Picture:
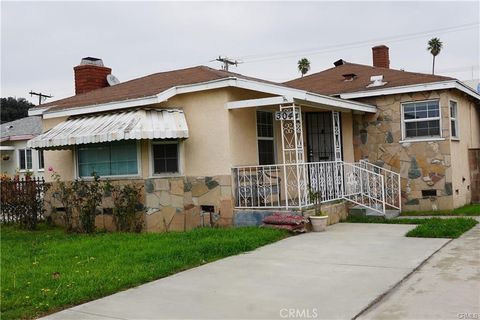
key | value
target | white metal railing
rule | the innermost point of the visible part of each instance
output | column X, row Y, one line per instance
column 290, row 185
column 364, row 187
column 392, row 186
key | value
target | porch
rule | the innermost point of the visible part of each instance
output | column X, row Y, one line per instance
column 297, row 170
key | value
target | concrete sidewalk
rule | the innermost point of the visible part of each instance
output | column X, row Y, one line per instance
column 447, row 286
column 330, row 275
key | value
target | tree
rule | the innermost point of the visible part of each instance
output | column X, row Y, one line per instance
column 13, row 109
column 303, row 66
column 434, row 46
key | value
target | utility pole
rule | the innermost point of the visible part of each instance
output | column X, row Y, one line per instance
column 40, row 95
column 226, row 62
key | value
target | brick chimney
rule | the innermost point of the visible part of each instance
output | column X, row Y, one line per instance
column 90, row 75
column 380, row 56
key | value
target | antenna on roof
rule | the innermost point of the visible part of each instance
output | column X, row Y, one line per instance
column 226, row 62
column 41, row 96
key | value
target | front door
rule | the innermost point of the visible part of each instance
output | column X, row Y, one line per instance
column 320, row 136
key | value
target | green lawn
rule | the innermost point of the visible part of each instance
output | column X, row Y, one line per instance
column 427, row 228
column 468, row 210
column 48, row 270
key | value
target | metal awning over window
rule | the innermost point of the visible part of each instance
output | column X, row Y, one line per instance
column 138, row 124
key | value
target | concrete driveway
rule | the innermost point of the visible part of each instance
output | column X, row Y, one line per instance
column 446, row 287
column 330, row 275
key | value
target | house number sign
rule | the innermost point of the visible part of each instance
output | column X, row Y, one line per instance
column 286, row 115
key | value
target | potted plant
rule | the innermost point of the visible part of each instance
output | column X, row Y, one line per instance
column 319, row 219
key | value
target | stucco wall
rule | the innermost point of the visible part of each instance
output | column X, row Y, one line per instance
column 423, row 165
column 347, row 136
column 469, row 138
column 61, row 161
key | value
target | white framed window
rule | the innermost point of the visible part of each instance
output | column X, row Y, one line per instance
column 41, row 162
column 265, row 138
column 25, row 159
column 421, row 120
column 119, row 158
column 165, row 157
column 453, row 119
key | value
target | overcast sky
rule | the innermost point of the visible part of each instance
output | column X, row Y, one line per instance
column 41, row 42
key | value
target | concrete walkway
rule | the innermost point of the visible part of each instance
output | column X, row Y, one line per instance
column 330, row 275
column 447, row 286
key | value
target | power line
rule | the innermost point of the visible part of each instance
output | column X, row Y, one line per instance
column 351, row 45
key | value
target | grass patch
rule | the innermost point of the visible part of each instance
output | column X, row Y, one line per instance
column 427, row 228
column 468, row 210
column 47, row 270
column 442, row 228
column 373, row 219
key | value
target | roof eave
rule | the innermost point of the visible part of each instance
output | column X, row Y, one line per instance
column 441, row 85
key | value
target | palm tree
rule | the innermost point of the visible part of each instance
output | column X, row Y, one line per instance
column 434, row 46
column 303, row 66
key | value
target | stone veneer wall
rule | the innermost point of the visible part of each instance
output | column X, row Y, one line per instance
column 422, row 165
column 175, row 203
column 172, row 204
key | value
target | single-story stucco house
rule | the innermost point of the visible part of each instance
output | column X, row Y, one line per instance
column 204, row 140
column 16, row 157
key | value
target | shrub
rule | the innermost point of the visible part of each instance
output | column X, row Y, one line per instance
column 80, row 199
column 87, row 198
column 126, row 207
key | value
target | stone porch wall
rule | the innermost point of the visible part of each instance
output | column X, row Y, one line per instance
column 422, row 165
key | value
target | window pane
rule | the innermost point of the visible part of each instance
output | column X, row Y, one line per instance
column 266, row 152
column 106, row 159
column 422, row 128
column 422, row 111
column 453, row 109
column 454, row 128
column 409, row 115
column 123, row 157
column 265, row 124
column 29, row 159
column 165, row 158
column 41, row 164
column 21, row 157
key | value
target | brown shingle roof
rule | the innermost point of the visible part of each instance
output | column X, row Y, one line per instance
column 332, row 82
column 145, row 86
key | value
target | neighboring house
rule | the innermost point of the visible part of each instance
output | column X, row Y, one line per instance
column 426, row 127
column 204, row 140
column 16, row 156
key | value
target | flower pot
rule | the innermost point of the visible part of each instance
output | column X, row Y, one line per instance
column 319, row 223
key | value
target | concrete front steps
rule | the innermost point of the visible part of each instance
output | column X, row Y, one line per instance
column 364, row 211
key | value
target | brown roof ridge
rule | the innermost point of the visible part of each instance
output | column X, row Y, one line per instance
column 221, row 73
column 398, row 70
column 346, row 64
column 148, row 86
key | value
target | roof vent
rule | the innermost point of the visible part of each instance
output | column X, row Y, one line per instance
column 377, row 81
column 339, row 62
column 349, row 76
column 91, row 61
